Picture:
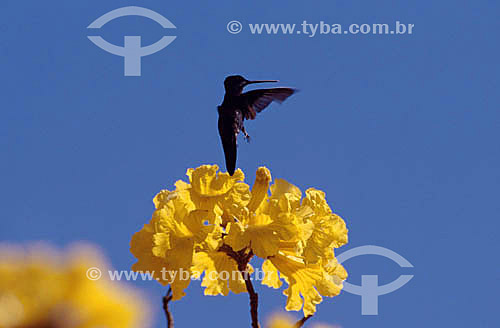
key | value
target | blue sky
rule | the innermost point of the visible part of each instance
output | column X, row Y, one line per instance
column 400, row 131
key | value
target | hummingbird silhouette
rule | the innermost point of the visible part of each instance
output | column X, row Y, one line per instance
column 237, row 107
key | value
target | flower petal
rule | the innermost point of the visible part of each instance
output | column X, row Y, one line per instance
column 260, row 187
column 206, row 182
column 221, row 273
column 271, row 275
column 305, row 283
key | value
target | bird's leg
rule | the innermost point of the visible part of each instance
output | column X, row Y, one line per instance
column 247, row 137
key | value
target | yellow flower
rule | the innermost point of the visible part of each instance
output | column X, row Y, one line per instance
column 214, row 224
column 186, row 221
column 42, row 288
column 306, row 282
column 328, row 230
column 285, row 321
column 218, row 192
column 221, row 273
column 281, row 321
column 165, row 246
column 267, row 222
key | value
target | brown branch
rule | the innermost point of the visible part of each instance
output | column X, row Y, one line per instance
column 242, row 259
column 166, row 299
column 254, row 297
column 302, row 321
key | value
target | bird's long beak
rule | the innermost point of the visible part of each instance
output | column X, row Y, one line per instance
column 261, row 81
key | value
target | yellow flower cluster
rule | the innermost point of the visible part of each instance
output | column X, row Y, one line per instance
column 43, row 288
column 198, row 227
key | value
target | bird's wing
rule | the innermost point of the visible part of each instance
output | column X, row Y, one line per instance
column 228, row 138
column 258, row 100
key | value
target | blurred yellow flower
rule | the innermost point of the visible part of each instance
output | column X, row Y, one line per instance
column 285, row 321
column 40, row 287
column 281, row 321
column 215, row 224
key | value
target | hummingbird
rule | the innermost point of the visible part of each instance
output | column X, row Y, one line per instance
column 237, row 107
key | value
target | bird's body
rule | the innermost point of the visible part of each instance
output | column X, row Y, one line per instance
column 238, row 106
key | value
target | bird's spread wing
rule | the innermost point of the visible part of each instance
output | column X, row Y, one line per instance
column 257, row 100
column 228, row 138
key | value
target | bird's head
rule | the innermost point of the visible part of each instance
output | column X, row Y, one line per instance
column 234, row 84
